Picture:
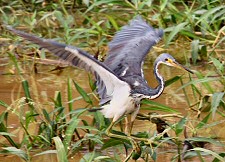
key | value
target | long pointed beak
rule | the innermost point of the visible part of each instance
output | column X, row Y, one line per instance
column 177, row 65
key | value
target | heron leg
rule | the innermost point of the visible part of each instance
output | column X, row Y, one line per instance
column 132, row 119
column 135, row 146
column 131, row 123
column 108, row 133
column 128, row 126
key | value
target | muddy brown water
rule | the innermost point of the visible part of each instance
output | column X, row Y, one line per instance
column 44, row 85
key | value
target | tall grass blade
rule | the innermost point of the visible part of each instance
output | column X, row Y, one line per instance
column 218, row 43
column 46, row 152
column 219, row 66
column 205, row 84
column 203, row 80
column 163, row 5
column 4, row 131
column 203, row 122
column 99, row 119
column 157, row 106
column 204, row 139
column 46, row 115
column 91, row 83
column 210, row 152
column 69, row 96
column 103, row 158
column 204, row 53
column 70, row 131
column 216, row 99
column 172, row 80
column 111, row 143
column 58, row 99
column 185, row 93
column 209, row 13
column 59, row 16
column 18, row 68
column 61, row 152
column 6, row 134
column 2, row 103
column 180, row 126
column 87, row 127
column 25, row 85
column 113, row 22
column 220, row 154
column 83, row 93
column 78, row 112
column 46, row 141
column 211, row 125
column 26, row 88
column 15, row 151
column 99, row 3
column 96, row 25
column 173, row 33
column 89, row 157
column 190, row 34
column 194, row 50
column 218, row 15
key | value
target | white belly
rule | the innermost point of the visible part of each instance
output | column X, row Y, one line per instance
column 122, row 103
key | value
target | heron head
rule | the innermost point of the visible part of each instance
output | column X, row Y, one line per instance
column 167, row 59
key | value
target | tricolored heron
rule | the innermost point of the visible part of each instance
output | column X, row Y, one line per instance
column 120, row 79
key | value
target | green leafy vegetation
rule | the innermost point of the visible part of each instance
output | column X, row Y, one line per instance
column 193, row 29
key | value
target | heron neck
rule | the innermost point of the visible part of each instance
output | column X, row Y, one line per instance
column 159, row 89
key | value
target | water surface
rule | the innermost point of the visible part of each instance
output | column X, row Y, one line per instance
column 45, row 84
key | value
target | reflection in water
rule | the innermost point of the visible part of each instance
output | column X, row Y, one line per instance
column 44, row 85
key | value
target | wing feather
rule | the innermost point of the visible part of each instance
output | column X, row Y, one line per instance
column 105, row 77
column 130, row 46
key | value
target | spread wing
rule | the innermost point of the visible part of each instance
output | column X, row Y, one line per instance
column 76, row 57
column 128, row 49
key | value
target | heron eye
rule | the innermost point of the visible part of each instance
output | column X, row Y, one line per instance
column 166, row 59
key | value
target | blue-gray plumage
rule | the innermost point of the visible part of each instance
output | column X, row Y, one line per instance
column 127, row 52
column 120, row 79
